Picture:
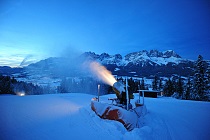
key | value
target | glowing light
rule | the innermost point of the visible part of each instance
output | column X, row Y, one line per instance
column 21, row 93
column 102, row 73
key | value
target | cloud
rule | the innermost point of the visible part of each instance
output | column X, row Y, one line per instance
column 25, row 60
column 11, row 61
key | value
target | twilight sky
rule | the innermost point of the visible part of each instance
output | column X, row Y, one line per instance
column 31, row 30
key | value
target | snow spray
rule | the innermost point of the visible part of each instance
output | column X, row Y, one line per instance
column 102, row 73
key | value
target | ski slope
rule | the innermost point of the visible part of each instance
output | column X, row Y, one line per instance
column 69, row 116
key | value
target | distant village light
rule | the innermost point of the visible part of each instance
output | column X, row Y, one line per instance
column 21, row 93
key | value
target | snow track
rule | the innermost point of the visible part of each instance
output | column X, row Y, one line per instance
column 183, row 119
column 69, row 116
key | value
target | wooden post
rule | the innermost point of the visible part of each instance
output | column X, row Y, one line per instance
column 142, row 96
column 127, row 96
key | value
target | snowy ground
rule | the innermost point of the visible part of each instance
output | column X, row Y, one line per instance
column 69, row 116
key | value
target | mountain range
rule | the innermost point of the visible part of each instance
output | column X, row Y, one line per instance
column 145, row 63
column 141, row 57
column 137, row 64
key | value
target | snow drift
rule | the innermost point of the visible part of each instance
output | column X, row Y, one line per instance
column 69, row 116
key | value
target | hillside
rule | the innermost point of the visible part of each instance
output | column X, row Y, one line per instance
column 69, row 116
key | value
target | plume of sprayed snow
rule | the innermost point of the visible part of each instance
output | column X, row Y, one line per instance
column 100, row 72
column 24, row 62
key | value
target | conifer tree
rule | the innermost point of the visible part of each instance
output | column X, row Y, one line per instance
column 160, row 86
column 188, row 90
column 142, row 86
column 180, row 87
column 131, row 84
column 199, row 81
column 207, row 78
column 63, row 87
column 168, row 88
column 155, row 83
column 207, row 84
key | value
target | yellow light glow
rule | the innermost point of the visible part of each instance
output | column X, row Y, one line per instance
column 21, row 93
column 102, row 73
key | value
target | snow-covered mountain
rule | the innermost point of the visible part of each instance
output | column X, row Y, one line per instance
column 153, row 57
column 137, row 64
column 141, row 58
column 104, row 58
column 144, row 63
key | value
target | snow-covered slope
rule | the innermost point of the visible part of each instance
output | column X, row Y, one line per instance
column 69, row 116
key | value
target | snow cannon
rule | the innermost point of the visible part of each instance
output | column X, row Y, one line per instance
column 118, row 88
column 119, row 109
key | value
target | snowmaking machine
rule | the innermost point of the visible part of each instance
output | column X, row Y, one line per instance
column 121, row 108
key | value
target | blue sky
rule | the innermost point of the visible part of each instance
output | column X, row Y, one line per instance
column 37, row 29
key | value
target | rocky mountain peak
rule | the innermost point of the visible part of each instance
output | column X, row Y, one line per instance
column 90, row 55
column 143, row 57
column 170, row 53
column 155, row 53
column 104, row 56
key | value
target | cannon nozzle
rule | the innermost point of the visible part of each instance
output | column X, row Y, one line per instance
column 118, row 88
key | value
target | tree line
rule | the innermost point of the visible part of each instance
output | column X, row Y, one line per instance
column 10, row 85
column 195, row 87
column 90, row 85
